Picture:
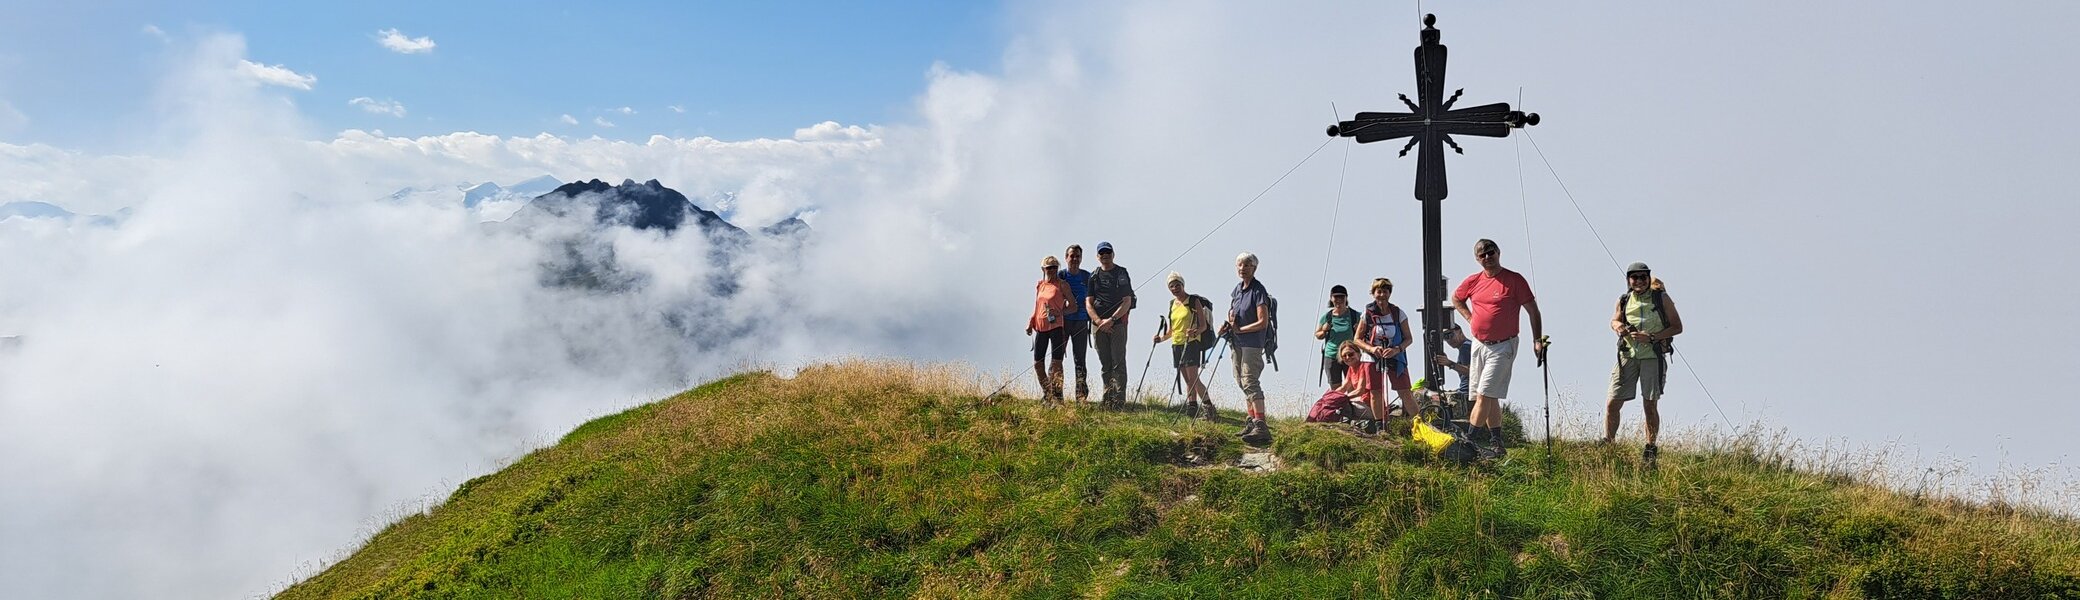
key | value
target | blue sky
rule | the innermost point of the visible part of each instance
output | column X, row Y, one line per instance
column 82, row 72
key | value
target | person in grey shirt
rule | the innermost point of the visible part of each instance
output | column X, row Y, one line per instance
column 1111, row 298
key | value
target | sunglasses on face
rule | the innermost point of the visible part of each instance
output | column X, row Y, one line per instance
column 1483, row 253
column 1636, row 276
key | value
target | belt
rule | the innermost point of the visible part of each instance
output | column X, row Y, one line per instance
column 1488, row 343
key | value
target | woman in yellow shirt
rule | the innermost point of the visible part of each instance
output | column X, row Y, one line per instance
column 1190, row 330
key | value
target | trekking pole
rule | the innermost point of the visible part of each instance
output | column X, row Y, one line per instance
column 1161, row 324
column 1220, row 353
column 1545, row 367
column 1319, row 373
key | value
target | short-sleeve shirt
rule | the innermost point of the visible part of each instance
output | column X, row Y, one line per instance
column 1242, row 310
column 1108, row 289
column 1342, row 327
column 1050, row 306
column 1079, row 283
column 1495, row 303
column 1367, row 378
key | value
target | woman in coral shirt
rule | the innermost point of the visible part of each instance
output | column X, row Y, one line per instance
column 1050, row 317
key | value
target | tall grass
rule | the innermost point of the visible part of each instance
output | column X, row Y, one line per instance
column 875, row 479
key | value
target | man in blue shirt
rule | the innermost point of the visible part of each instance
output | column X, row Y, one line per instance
column 1080, row 321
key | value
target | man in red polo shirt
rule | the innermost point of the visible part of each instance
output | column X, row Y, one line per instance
column 1489, row 301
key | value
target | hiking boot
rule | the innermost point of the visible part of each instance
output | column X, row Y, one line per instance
column 1040, row 373
column 1260, row 436
column 1211, row 414
column 1191, row 409
column 1054, row 381
column 1248, row 427
column 1371, row 427
column 1650, row 455
column 1083, row 388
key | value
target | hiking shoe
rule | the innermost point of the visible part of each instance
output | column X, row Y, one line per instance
column 1248, row 427
column 1370, row 427
column 1650, row 455
column 1191, row 409
column 1211, row 414
column 1259, row 436
column 1489, row 451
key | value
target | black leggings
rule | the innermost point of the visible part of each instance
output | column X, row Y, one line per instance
column 1056, row 339
column 1335, row 369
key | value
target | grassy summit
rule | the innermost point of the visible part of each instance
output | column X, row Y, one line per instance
column 879, row 479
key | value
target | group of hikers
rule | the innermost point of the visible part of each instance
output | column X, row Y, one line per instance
column 1365, row 352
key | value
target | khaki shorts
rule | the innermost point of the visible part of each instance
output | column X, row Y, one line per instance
column 1492, row 364
column 1636, row 376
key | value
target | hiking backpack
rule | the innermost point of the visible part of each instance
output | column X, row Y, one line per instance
column 1271, row 333
column 1206, row 335
column 1663, row 347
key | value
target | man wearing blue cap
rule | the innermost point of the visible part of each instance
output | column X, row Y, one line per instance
column 1111, row 297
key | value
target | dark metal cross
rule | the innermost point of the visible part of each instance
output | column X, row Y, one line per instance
column 1430, row 123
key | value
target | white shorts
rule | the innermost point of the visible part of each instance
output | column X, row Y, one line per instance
column 1491, row 367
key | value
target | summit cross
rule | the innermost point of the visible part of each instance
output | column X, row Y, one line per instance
column 1430, row 123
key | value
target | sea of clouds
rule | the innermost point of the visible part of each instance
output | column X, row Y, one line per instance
column 268, row 360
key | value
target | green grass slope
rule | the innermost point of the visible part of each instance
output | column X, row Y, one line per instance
column 890, row 480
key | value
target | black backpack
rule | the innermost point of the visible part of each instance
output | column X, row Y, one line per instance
column 1271, row 333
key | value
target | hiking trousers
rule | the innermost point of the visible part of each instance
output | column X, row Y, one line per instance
column 1112, row 361
column 1079, row 340
column 1249, row 372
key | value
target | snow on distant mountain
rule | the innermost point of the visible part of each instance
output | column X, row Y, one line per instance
column 45, row 210
column 523, row 191
column 489, row 200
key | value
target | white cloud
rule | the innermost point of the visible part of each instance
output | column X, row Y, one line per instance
column 380, row 107
column 568, row 120
column 397, row 42
column 833, row 131
column 275, row 75
column 625, row 110
column 677, row 109
column 10, row 117
column 154, row 32
column 602, row 122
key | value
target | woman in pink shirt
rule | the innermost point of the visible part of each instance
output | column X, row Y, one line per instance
column 1050, row 319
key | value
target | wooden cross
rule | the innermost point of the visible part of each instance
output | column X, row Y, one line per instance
column 1430, row 123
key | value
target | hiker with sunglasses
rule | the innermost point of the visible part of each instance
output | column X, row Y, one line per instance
column 1050, row 321
column 1490, row 301
column 1646, row 323
column 1111, row 297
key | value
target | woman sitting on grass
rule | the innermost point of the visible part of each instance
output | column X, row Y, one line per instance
column 1336, row 405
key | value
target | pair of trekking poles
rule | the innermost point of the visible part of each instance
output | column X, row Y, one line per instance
column 1220, row 345
column 1143, row 383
